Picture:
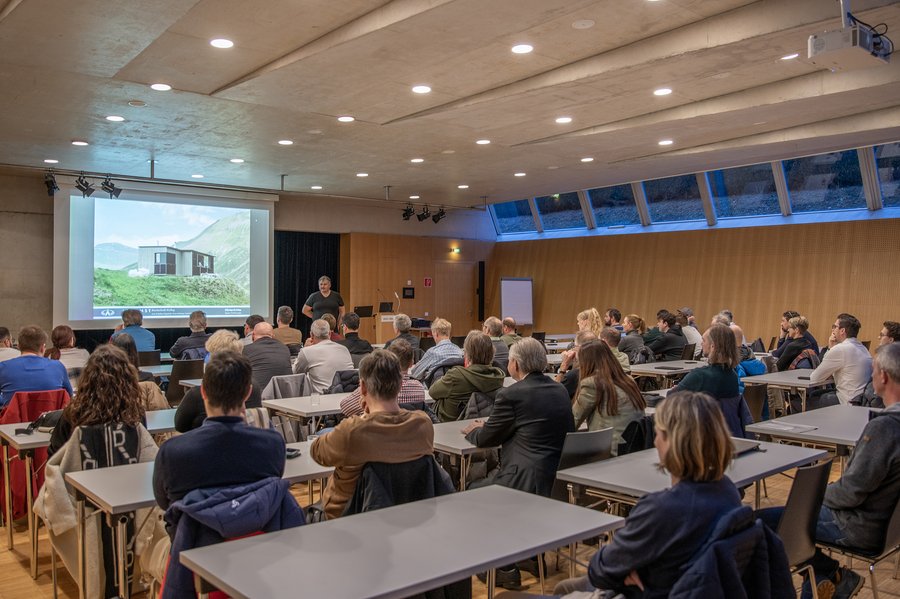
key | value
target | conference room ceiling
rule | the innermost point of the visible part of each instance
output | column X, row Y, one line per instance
column 296, row 66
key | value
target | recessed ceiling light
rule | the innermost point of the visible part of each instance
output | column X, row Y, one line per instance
column 315, row 132
column 666, row 142
column 115, row 118
column 552, row 168
column 137, row 103
column 790, row 56
column 462, row 187
column 161, row 87
column 316, row 187
column 237, row 160
column 421, row 89
column 522, row 48
column 362, row 174
column 519, row 175
column 563, row 120
column 663, row 91
column 285, row 142
column 583, row 24
column 417, row 160
column 221, row 43
column 346, row 119
column 51, row 161
column 587, row 159
column 483, row 142
column 197, row 176
column 78, row 142
column 414, row 197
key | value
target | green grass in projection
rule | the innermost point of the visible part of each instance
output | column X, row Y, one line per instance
column 116, row 288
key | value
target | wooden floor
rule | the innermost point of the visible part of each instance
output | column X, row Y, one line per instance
column 16, row 582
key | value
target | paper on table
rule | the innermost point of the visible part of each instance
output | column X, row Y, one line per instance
column 787, row 428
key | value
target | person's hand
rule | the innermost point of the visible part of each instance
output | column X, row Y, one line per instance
column 832, row 341
column 634, row 580
column 120, row 326
column 568, row 358
column 472, row 426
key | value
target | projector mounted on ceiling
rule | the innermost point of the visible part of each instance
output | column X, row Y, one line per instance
column 853, row 47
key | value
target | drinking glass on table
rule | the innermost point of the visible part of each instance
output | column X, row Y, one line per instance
column 315, row 399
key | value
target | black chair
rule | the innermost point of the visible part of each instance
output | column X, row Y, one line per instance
column 294, row 348
column 890, row 547
column 637, row 436
column 756, row 397
column 427, row 343
column 357, row 358
column 688, row 352
column 541, row 336
column 344, row 381
column 866, row 344
column 773, row 343
column 579, row 448
column 458, row 341
column 148, row 358
column 182, row 369
column 797, row 528
column 757, row 346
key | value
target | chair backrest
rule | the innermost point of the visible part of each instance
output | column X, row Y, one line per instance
column 579, row 448
column 344, row 381
column 758, row 346
column 257, row 418
column 892, row 538
column 458, row 341
column 286, row 385
column 644, row 355
column 480, row 405
column 182, row 369
column 540, row 336
column 427, row 343
column 797, row 527
column 148, row 358
column 756, row 397
column 637, row 436
column 384, row 485
column 772, row 343
column 417, row 354
column 357, row 358
column 866, row 344
column 688, row 352
column 441, row 369
column 294, row 348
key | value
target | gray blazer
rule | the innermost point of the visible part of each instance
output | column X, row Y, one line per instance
column 268, row 358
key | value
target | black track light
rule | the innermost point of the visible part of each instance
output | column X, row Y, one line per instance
column 439, row 216
column 110, row 188
column 424, row 214
column 408, row 212
column 50, row 182
column 82, row 185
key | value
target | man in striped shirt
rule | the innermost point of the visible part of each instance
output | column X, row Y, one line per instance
column 411, row 390
column 442, row 351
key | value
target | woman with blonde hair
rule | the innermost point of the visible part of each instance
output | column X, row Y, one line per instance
column 665, row 529
column 590, row 320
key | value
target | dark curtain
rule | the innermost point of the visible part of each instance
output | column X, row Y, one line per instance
column 300, row 259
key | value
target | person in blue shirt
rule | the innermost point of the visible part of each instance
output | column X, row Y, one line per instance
column 31, row 371
column 133, row 321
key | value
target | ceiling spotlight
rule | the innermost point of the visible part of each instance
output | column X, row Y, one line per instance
column 439, row 216
column 362, row 174
column 790, row 56
column 421, row 89
column 424, row 214
column 285, row 142
column 82, row 185
column 587, row 159
column 110, row 188
column 50, row 182
column 115, row 118
column 666, row 142
column 161, row 87
column 51, row 161
column 564, row 120
column 519, row 175
column 315, row 187
column 522, row 48
column 79, row 142
column 197, row 176
column 414, row 197
column 463, row 186
column 483, row 142
column 417, row 160
column 408, row 212
column 237, row 160
column 221, row 43
column 663, row 91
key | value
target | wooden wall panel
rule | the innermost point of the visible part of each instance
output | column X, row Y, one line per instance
column 818, row 269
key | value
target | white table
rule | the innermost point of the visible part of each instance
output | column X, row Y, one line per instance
column 302, row 407
column 627, row 478
column 554, row 360
column 158, row 370
column 448, row 438
column 666, row 370
column 161, row 421
column 188, row 383
column 560, row 337
column 166, row 358
column 796, row 381
column 398, row 551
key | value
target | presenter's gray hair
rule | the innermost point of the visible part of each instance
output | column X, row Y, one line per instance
column 319, row 329
column 529, row 354
column 402, row 323
column 324, row 278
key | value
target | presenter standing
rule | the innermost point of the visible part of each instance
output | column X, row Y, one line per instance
column 324, row 301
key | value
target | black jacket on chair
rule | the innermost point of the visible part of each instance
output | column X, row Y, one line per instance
column 529, row 421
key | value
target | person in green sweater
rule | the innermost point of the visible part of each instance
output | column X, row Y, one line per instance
column 606, row 397
column 452, row 391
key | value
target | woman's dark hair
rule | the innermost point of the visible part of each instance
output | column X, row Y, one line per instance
column 596, row 360
column 108, row 390
column 62, row 337
column 126, row 343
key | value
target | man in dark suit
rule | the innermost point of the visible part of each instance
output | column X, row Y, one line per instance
column 268, row 356
column 352, row 341
column 529, row 421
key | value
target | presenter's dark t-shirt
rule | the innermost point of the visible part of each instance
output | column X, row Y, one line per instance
column 325, row 305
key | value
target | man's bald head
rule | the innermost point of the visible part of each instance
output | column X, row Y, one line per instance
column 263, row 329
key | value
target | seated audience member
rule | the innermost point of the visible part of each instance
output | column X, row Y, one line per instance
column 7, row 351
column 108, row 392
column 64, row 350
column 689, row 314
column 402, row 325
column 332, row 325
column 352, row 341
column 284, row 332
column 721, row 319
column 224, row 451
column 127, row 345
column 606, row 397
column 613, row 318
column 858, row 506
column 847, row 361
column 133, row 324
column 493, row 328
column 694, row 447
column 384, row 433
column 889, row 333
column 249, row 325
column 729, row 316
column 452, row 391
column 509, row 335
column 568, row 373
column 691, row 335
column 748, row 363
column 632, row 341
column 670, row 344
column 411, row 390
column 31, row 371
column 784, row 337
column 321, row 357
column 191, row 411
column 795, row 342
column 611, row 337
column 442, row 351
column 719, row 379
column 197, row 338
column 590, row 320
column 654, row 333
column 268, row 357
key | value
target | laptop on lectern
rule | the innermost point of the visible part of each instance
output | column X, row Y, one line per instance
column 363, row 311
column 386, row 307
